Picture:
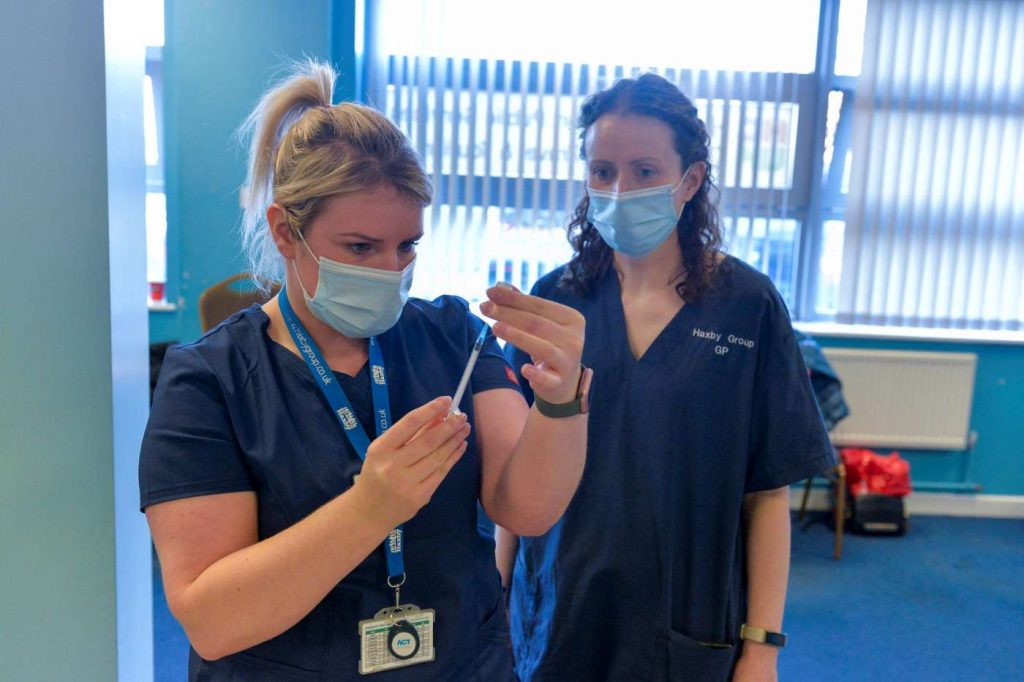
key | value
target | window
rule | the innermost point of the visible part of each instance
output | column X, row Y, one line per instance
column 787, row 93
column 935, row 222
column 152, row 111
column 493, row 116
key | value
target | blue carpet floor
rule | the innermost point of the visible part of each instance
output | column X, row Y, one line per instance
column 943, row 603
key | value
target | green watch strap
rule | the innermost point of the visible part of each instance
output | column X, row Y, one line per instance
column 559, row 410
column 579, row 405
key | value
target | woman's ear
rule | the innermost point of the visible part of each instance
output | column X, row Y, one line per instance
column 281, row 231
column 694, row 179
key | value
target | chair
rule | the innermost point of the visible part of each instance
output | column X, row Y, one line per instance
column 837, row 476
column 829, row 395
column 225, row 298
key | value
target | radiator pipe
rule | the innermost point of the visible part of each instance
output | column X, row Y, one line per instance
column 941, row 487
column 927, row 487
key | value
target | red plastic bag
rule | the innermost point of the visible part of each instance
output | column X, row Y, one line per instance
column 868, row 472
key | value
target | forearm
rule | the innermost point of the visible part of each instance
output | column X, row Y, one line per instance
column 541, row 475
column 768, row 541
column 260, row 591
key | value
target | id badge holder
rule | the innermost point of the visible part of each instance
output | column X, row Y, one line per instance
column 396, row 637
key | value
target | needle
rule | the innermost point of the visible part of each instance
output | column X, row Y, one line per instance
column 457, row 398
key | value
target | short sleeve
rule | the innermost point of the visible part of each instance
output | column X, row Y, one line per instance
column 789, row 442
column 189, row 448
column 517, row 358
column 492, row 369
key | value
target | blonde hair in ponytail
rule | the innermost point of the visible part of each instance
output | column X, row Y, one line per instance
column 304, row 150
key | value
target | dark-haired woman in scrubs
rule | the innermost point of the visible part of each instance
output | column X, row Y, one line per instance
column 671, row 561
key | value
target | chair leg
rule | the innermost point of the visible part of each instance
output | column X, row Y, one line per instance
column 803, row 503
column 840, row 509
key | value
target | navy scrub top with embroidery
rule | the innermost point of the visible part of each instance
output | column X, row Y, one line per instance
column 648, row 560
column 236, row 411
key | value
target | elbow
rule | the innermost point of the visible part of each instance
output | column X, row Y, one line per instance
column 208, row 646
column 529, row 527
column 205, row 651
column 204, row 640
column 533, row 530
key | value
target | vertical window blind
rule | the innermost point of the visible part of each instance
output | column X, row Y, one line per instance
column 935, row 213
column 497, row 133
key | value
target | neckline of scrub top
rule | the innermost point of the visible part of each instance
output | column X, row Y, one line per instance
column 618, row 313
column 296, row 364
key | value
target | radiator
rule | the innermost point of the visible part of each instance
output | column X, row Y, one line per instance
column 903, row 399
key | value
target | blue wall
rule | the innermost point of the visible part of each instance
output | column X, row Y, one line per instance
column 997, row 462
column 219, row 57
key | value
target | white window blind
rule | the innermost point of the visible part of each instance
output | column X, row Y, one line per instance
column 935, row 214
column 495, row 121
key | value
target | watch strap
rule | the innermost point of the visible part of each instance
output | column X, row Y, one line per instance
column 576, row 406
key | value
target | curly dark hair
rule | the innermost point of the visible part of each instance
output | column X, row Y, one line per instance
column 698, row 232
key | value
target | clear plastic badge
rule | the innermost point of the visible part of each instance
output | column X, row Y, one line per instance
column 396, row 637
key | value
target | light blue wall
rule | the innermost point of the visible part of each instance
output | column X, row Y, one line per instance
column 62, row 385
column 997, row 415
column 219, row 57
column 126, row 187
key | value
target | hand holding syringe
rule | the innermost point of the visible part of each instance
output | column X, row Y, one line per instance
column 479, row 344
column 549, row 332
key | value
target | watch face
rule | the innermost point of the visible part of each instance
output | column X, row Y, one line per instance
column 586, row 378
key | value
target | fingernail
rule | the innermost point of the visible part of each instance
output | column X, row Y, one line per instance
column 499, row 294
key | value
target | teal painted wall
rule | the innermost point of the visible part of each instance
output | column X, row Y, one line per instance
column 57, row 551
column 997, row 462
column 219, row 57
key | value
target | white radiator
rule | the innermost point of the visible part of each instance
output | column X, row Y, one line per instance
column 904, row 399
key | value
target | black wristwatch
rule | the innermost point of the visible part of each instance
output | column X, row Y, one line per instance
column 578, row 405
column 763, row 636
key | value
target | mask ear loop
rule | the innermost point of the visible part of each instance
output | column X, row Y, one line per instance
column 295, row 266
column 306, row 244
column 683, row 179
column 680, row 184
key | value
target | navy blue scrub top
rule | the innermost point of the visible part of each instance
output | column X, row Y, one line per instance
column 646, row 568
column 236, row 411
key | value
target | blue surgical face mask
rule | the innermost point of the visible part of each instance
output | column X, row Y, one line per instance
column 356, row 301
column 638, row 222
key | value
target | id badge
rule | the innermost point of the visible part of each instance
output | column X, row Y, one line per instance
column 396, row 637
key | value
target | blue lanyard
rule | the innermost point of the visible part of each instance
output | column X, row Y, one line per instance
column 342, row 409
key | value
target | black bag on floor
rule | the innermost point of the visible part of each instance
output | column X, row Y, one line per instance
column 873, row 514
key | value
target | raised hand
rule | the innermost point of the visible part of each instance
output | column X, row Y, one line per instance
column 551, row 333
